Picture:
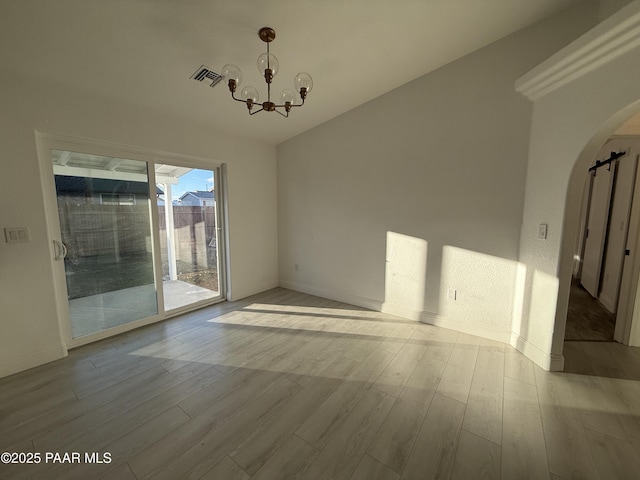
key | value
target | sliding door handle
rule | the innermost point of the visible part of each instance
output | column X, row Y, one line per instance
column 60, row 250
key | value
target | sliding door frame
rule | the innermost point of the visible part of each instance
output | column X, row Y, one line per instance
column 45, row 143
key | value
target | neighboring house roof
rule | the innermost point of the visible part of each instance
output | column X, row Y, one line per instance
column 201, row 194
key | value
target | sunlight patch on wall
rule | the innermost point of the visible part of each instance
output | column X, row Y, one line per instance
column 544, row 298
column 483, row 285
column 405, row 275
column 519, row 298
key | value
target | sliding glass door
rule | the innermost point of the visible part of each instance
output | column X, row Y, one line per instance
column 137, row 240
column 105, row 228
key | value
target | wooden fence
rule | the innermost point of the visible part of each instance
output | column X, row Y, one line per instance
column 90, row 229
column 195, row 237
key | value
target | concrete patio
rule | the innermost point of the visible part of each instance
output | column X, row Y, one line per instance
column 95, row 313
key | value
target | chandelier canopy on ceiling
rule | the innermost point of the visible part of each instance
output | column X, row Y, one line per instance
column 269, row 65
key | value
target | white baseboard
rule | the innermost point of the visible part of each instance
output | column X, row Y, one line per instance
column 402, row 312
column 478, row 331
column 332, row 295
column 548, row 361
column 237, row 294
column 556, row 363
column 34, row 359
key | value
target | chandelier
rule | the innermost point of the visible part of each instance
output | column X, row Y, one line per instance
column 267, row 64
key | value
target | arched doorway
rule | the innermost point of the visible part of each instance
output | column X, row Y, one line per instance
column 581, row 96
column 624, row 139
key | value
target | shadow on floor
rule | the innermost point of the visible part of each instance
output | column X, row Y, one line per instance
column 602, row 359
column 587, row 319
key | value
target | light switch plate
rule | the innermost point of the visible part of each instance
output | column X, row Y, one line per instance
column 16, row 234
column 542, row 231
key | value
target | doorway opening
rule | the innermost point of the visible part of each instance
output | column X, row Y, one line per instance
column 603, row 281
column 189, row 234
column 602, row 242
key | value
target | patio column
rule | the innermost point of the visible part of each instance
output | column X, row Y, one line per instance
column 170, row 230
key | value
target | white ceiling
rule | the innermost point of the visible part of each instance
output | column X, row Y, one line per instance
column 144, row 51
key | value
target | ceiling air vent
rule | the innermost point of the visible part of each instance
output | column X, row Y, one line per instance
column 205, row 73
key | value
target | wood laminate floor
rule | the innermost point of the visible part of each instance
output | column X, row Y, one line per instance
column 284, row 385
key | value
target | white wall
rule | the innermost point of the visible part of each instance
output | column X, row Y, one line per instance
column 606, row 8
column 421, row 190
column 29, row 333
column 570, row 124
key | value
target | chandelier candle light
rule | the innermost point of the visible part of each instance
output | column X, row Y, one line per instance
column 267, row 63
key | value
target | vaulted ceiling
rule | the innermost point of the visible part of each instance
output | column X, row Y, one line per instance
column 144, row 51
